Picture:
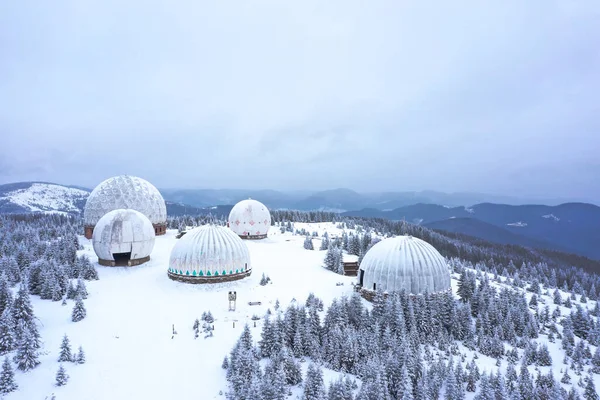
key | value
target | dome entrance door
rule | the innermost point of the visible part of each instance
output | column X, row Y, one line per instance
column 122, row 259
column 362, row 276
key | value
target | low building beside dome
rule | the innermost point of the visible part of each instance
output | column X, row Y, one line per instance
column 125, row 192
column 403, row 263
column 123, row 238
column 250, row 219
column 209, row 254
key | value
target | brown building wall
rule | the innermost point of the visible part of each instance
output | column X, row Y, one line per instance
column 111, row 263
column 159, row 229
column 252, row 237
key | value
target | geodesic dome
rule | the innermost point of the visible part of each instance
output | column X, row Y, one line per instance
column 207, row 254
column 250, row 219
column 123, row 238
column 125, row 192
column 404, row 263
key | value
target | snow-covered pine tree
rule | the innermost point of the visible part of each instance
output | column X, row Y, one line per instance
column 27, row 355
column 292, row 369
column 314, row 388
column 339, row 262
column 225, row 363
column 61, row 376
column 273, row 384
column 7, row 338
column 6, row 297
column 65, row 350
column 330, row 259
column 324, row 242
column 308, row 244
column 542, row 357
column 81, row 290
column 7, row 378
column 590, row 389
column 80, row 357
column 79, row 311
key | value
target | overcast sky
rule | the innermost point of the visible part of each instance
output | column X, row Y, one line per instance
column 491, row 96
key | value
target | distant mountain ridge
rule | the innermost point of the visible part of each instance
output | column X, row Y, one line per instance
column 573, row 227
column 569, row 227
column 45, row 197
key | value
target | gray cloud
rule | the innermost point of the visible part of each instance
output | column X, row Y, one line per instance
column 467, row 96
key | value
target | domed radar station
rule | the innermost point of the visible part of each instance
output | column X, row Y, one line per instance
column 250, row 219
column 209, row 254
column 123, row 238
column 125, row 192
column 403, row 263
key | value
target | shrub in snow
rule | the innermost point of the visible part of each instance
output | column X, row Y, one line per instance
column 61, row 376
column 264, row 279
column 7, row 378
column 65, row 350
column 208, row 317
column 79, row 311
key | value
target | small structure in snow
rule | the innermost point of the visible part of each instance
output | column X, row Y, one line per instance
column 209, row 254
column 123, row 238
column 250, row 219
column 403, row 263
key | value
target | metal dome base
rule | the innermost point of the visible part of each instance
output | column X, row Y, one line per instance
column 130, row 263
column 208, row 279
column 369, row 295
column 253, row 237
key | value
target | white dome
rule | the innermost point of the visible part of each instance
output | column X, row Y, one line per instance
column 127, row 233
column 210, row 251
column 404, row 262
column 250, row 219
column 125, row 192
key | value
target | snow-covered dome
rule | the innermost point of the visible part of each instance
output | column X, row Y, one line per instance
column 123, row 237
column 125, row 192
column 404, row 262
column 250, row 219
column 209, row 253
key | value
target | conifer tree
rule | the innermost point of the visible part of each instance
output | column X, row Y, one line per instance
column 61, row 376
column 225, row 363
column 79, row 311
column 27, row 355
column 590, row 389
column 81, row 290
column 308, row 244
column 7, row 378
column 329, row 262
column 65, row 350
column 7, row 338
column 6, row 297
column 80, row 357
column 314, row 388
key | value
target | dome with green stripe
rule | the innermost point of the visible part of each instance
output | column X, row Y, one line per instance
column 209, row 251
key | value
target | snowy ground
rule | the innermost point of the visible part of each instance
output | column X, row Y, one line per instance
column 127, row 333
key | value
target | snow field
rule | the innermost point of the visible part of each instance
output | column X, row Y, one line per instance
column 127, row 334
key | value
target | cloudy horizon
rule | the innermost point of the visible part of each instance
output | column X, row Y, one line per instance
column 393, row 96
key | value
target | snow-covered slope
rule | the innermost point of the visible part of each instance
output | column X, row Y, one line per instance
column 41, row 197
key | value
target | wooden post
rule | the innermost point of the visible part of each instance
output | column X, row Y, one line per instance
column 234, row 324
